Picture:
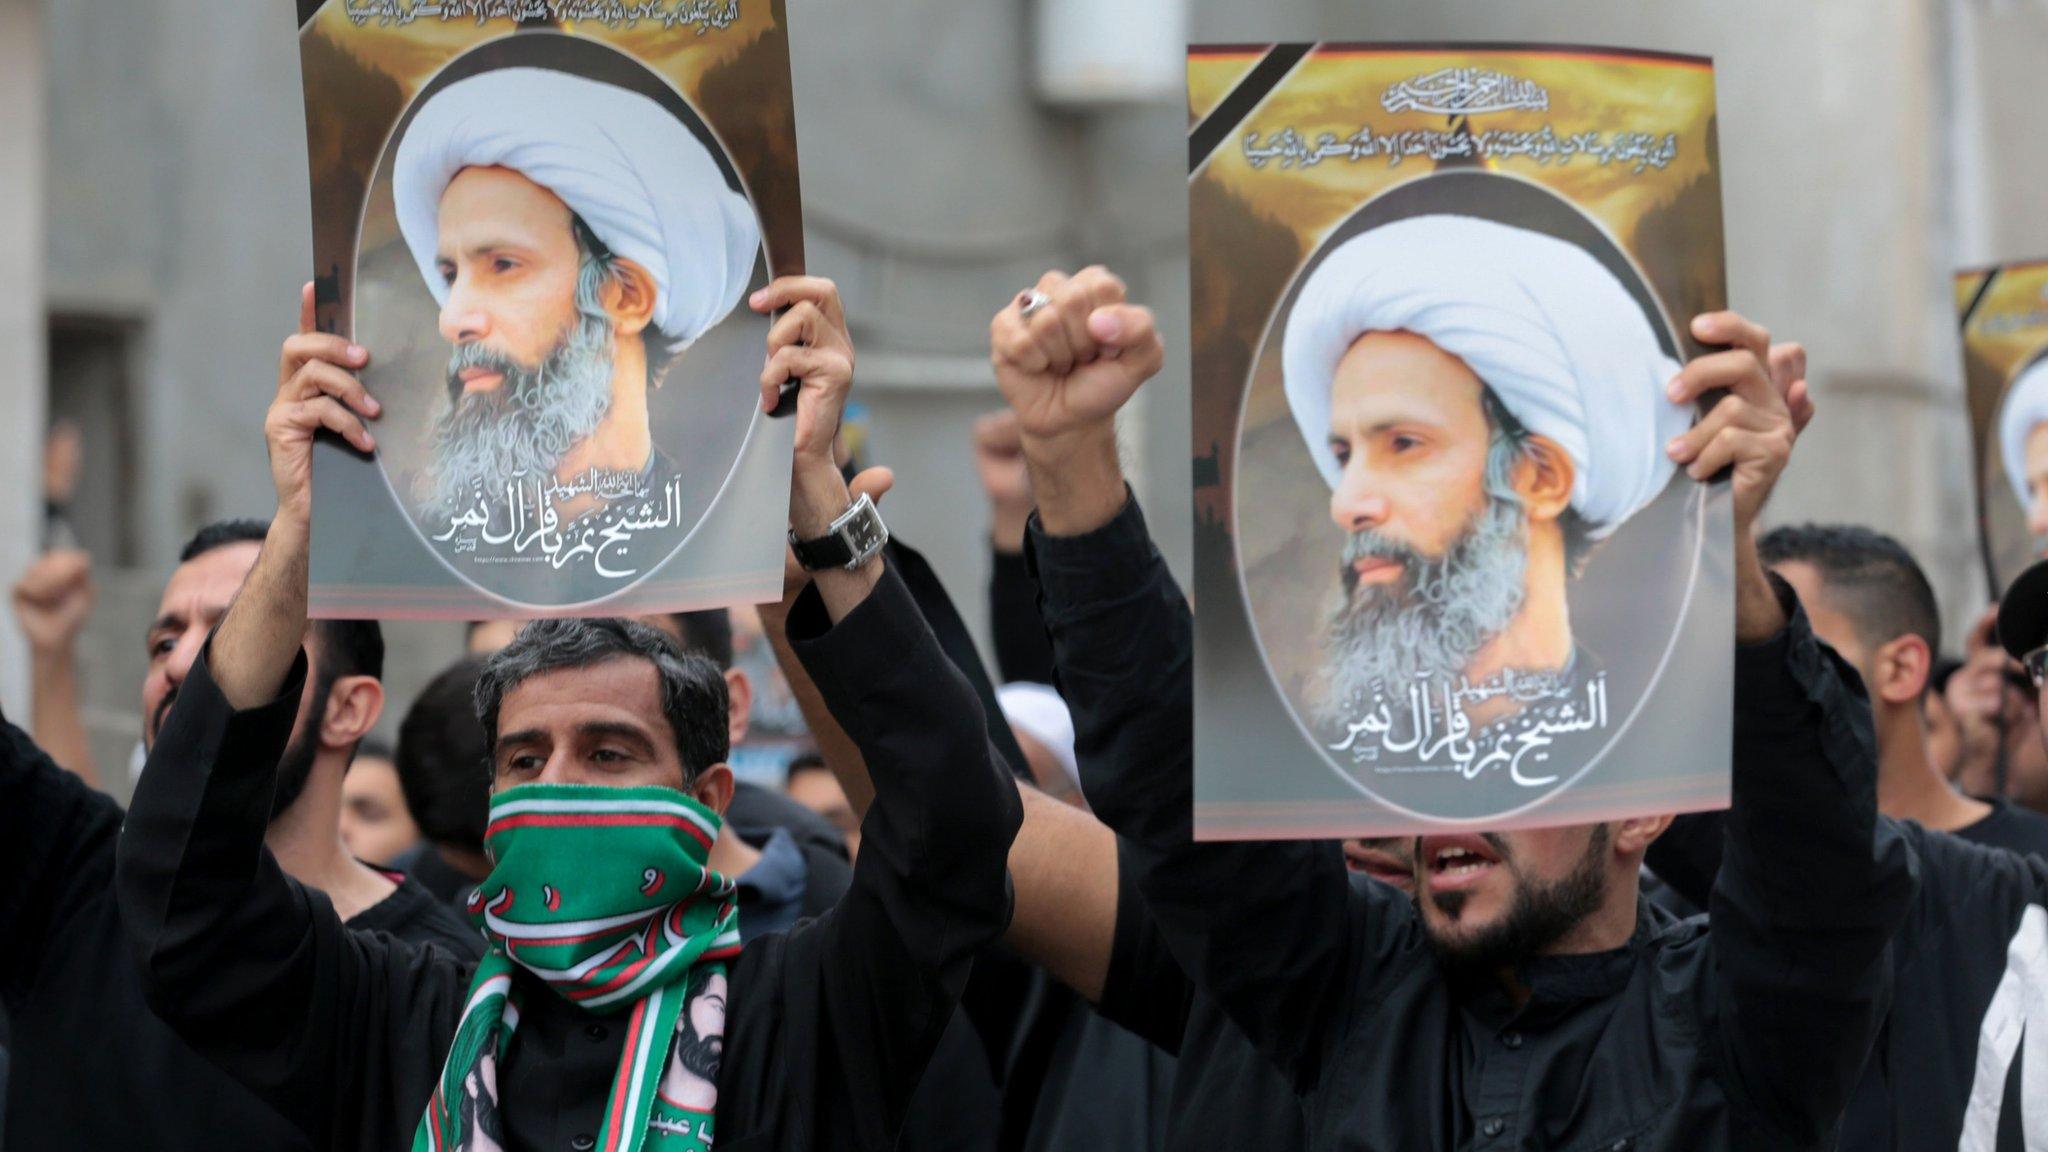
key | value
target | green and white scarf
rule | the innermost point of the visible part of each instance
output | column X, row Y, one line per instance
column 602, row 893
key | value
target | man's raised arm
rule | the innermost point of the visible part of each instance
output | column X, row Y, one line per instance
column 254, row 970
column 1813, row 885
column 1063, row 863
column 884, row 967
column 1274, row 953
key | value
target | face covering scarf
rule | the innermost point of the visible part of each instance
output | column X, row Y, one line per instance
column 603, row 894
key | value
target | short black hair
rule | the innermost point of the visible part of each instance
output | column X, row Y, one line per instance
column 1870, row 577
column 222, row 533
column 347, row 647
column 708, row 633
column 801, row 763
column 692, row 687
column 443, row 760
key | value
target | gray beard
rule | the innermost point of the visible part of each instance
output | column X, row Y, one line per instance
column 1429, row 624
column 523, row 427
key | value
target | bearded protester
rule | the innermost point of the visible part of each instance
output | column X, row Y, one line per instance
column 572, row 269
column 67, row 977
column 1527, row 997
column 586, row 1023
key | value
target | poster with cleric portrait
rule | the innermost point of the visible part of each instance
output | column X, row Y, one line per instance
column 2004, row 316
column 543, row 220
column 1448, row 578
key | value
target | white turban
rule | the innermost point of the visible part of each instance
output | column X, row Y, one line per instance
column 2024, row 408
column 1038, row 711
column 1554, row 336
column 634, row 173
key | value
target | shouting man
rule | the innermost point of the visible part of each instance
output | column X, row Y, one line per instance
column 578, row 237
column 1526, row 997
column 1486, row 403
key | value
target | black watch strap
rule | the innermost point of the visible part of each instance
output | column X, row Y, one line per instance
column 855, row 536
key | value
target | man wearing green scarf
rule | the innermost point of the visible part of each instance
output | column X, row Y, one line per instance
column 615, row 1007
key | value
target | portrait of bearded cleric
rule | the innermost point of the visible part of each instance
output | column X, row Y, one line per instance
column 2023, row 446
column 1470, row 410
column 690, row 1084
column 557, row 322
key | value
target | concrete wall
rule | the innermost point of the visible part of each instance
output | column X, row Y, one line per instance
column 937, row 186
column 21, row 318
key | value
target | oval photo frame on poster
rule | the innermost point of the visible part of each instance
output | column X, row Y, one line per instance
column 593, row 535
column 1282, row 571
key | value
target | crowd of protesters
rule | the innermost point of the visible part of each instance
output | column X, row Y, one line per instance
column 971, row 914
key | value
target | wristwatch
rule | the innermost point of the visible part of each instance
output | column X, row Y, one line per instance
column 850, row 542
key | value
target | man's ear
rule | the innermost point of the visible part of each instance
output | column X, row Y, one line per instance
column 1901, row 669
column 739, row 697
column 713, row 788
column 629, row 297
column 1633, row 837
column 353, row 705
column 1544, row 476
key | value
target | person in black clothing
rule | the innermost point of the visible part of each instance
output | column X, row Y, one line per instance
column 1076, row 1078
column 827, row 1026
column 1022, row 651
column 1529, row 999
column 67, row 979
column 444, row 768
column 1871, row 603
column 343, row 698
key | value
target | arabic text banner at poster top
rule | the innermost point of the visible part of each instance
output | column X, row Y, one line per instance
column 543, row 219
column 1448, row 578
column 2004, row 315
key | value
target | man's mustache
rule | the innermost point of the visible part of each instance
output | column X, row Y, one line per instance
column 1372, row 544
column 467, row 356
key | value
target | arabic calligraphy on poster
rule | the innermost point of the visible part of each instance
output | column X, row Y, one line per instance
column 1435, row 292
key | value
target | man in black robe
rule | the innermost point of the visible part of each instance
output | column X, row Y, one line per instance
column 828, row 1026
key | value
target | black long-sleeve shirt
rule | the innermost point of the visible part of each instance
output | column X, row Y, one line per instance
column 93, row 1067
column 829, row 1025
column 1970, row 966
column 1023, row 651
column 1749, row 1036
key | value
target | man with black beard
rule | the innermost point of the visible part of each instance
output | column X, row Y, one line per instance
column 1528, row 997
column 93, row 1066
column 577, row 237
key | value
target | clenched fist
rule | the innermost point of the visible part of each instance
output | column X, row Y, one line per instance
column 1066, row 368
